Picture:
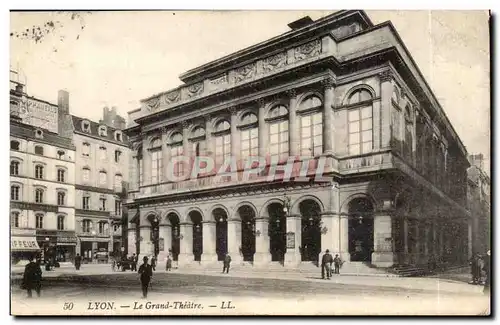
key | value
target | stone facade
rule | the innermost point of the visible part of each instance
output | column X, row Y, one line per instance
column 394, row 184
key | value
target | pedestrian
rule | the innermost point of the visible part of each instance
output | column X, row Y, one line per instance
column 475, row 265
column 486, row 269
column 169, row 263
column 32, row 278
column 227, row 264
column 337, row 262
column 153, row 262
column 78, row 261
column 146, row 272
column 326, row 265
column 133, row 263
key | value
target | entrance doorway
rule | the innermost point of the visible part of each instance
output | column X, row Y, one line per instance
column 220, row 217
column 196, row 219
column 311, row 230
column 175, row 223
column 155, row 234
column 360, row 230
column 277, row 232
column 247, row 216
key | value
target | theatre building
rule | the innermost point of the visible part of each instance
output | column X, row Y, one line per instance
column 340, row 92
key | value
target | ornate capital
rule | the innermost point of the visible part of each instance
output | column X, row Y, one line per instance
column 291, row 93
column 232, row 110
column 403, row 93
column 385, row 75
column 261, row 102
column 185, row 124
column 327, row 83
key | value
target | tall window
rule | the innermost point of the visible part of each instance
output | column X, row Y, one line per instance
column 176, row 150
column 86, row 225
column 103, row 178
column 278, row 132
column 39, row 171
column 311, row 134
column 198, row 141
column 86, row 149
column 60, row 175
column 222, row 142
column 118, row 153
column 14, row 192
column 118, row 207
column 118, row 182
column 86, row 202
column 103, row 153
column 15, row 219
column 61, row 198
column 140, row 172
column 249, row 135
column 102, row 204
column 103, row 227
column 39, row 195
column 156, row 161
column 14, row 145
column 39, row 221
column 86, row 175
column 39, row 150
column 408, row 143
column 14, row 167
column 60, row 222
column 360, row 124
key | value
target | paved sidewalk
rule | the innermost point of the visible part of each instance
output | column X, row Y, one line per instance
column 432, row 283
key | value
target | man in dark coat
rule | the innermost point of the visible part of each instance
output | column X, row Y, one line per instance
column 486, row 269
column 475, row 265
column 146, row 272
column 153, row 262
column 134, row 262
column 227, row 264
column 326, row 264
column 32, row 278
column 337, row 262
column 78, row 261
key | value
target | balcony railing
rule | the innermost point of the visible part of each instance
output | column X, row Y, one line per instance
column 367, row 162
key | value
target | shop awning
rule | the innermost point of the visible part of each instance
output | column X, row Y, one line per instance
column 23, row 244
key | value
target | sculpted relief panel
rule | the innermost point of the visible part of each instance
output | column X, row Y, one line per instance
column 246, row 72
column 274, row 62
column 194, row 90
column 172, row 97
column 307, row 50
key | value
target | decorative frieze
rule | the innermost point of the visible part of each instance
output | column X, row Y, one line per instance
column 307, row 50
column 244, row 73
column 274, row 62
column 152, row 104
column 172, row 97
column 219, row 81
column 194, row 90
column 386, row 75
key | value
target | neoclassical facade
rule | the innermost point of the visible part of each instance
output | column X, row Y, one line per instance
column 339, row 93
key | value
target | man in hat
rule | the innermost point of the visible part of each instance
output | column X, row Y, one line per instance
column 146, row 272
column 326, row 265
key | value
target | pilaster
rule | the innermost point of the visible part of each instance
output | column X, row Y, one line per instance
column 262, row 256
column 344, row 238
column 263, row 130
column 234, row 240
column 293, row 228
column 209, row 242
column 383, row 254
column 186, row 255
column 293, row 136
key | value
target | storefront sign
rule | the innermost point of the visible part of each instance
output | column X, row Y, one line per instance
column 23, row 244
column 33, row 206
column 290, row 240
column 66, row 239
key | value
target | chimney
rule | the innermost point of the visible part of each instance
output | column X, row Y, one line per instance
column 477, row 160
column 63, row 101
column 63, row 128
column 302, row 22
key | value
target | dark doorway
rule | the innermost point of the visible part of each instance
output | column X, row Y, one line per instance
column 221, row 233
column 277, row 232
column 311, row 230
column 174, row 221
column 360, row 230
column 196, row 219
column 247, row 216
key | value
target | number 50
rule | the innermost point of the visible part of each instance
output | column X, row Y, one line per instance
column 68, row 306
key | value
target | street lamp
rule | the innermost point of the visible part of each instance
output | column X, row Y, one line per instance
column 286, row 204
column 93, row 232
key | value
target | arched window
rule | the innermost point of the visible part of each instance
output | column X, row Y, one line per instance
column 14, row 145
column 15, row 219
column 15, row 191
column 86, row 149
column 222, row 142
column 118, row 154
column 61, row 173
column 249, row 135
column 103, row 153
column 103, row 131
column 360, row 124
column 311, row 134
column 39, row 150
column 86, row 174
column 278, row 133
column 39, row 171
column 39, row 221
column 118, row 136
column 197, row 132
column 310, row 102
column 39, row 195
column 118, row 182
column 156, row 161
column 103, row 178
column 14, row 167
column 176, row 150
column 199, row 145
column 359, row 96
column 408, row 143
column 61, row 198
column 60, row 222
column 86, row 225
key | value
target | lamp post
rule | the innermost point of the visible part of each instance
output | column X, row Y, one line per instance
column 93, row 232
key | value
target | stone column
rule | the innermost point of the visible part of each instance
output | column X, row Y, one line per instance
column 386, row 88
column 344, row 238
column 405, row 240
column 469, row 239
column 434, row 237
column 165, row 232
column 292, row 255
column 331, row 238
column 234, row 240
column 262, row 256
column 383, row 255
column 166, row 157
column 328, row 122
column 146, row 246
column 94, row 249
column 186, row 255
column 209, row 242
column 426, row 238
column 293, row 127
column 209, row 140
column 146, row 161
column 186, row 148
column 235, row 135
column 418, row 241
column 263, row 130
column 132, row 240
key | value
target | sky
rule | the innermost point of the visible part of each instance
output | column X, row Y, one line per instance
column 120, row 58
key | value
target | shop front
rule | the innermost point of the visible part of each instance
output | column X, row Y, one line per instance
column 65, row 247
column 56, row 246
column 23, row 247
